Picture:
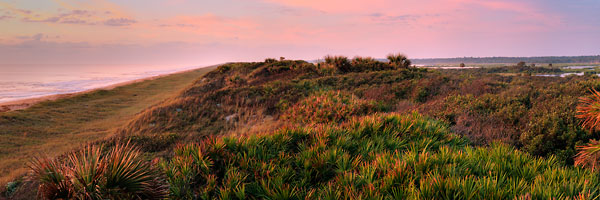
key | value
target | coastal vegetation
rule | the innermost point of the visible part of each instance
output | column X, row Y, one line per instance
column 53, row 128
column 348, row 129
column 507, row 60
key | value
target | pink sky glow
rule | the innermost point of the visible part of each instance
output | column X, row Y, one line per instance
column 189, row 32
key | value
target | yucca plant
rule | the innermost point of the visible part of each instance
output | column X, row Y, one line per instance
column 589, row 111
column 93, row 173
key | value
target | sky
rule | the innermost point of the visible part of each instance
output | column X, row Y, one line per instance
column 200, row 32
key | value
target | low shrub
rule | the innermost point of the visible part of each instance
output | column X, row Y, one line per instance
column 94, row 173
column 11, row 187
column 330, row 106
column 364, row 64
column 154, row 142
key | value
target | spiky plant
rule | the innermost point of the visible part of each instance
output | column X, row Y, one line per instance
column 376, row 157
column 589, row 111
column 588, row 155
column 128, row 176
column 91, row 173
column 399, row 60
column 52, row 178
column 85, row 170
column 188, row 168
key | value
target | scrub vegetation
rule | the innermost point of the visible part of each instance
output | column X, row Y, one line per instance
column 350, row 129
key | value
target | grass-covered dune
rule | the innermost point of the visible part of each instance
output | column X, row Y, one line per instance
column 534, row 114
column 341, row 129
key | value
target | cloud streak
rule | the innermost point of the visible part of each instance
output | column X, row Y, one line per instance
column 73, row 13
column 81, row 17
column 119, row 22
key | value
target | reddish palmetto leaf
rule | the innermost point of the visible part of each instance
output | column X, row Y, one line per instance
column 588, row 155
column 589, row 110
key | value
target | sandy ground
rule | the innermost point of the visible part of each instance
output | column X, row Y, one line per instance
column 26, row 103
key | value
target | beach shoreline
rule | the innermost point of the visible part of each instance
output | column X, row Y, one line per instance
column 28, row 102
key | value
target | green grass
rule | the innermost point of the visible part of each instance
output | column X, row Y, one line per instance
column 55, row 127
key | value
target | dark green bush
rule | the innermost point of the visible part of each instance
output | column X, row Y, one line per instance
column 364, row 64
column 340, row 62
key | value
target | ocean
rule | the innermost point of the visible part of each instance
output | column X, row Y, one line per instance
column 19, row 82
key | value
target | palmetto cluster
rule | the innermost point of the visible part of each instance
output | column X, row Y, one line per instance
column 399, row 60
column 374, row 157
column 96, row 172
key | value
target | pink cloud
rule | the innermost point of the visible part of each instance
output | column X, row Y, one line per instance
column 523, row 12
column 430, row 10
column 212, row 25
column 336, row 5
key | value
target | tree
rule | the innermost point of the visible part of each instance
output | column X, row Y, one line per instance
column 462, row 64
column 521, row 64
column 399, row 60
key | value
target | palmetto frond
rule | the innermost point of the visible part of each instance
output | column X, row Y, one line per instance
column 92, row 173
column 589, row 110
column 588, row 155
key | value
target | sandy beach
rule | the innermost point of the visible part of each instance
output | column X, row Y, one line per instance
column 26, row 103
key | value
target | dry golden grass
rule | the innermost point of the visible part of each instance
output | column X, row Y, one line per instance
column 55, row 127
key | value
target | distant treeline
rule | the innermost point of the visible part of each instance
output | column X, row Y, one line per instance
column 547, row 59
